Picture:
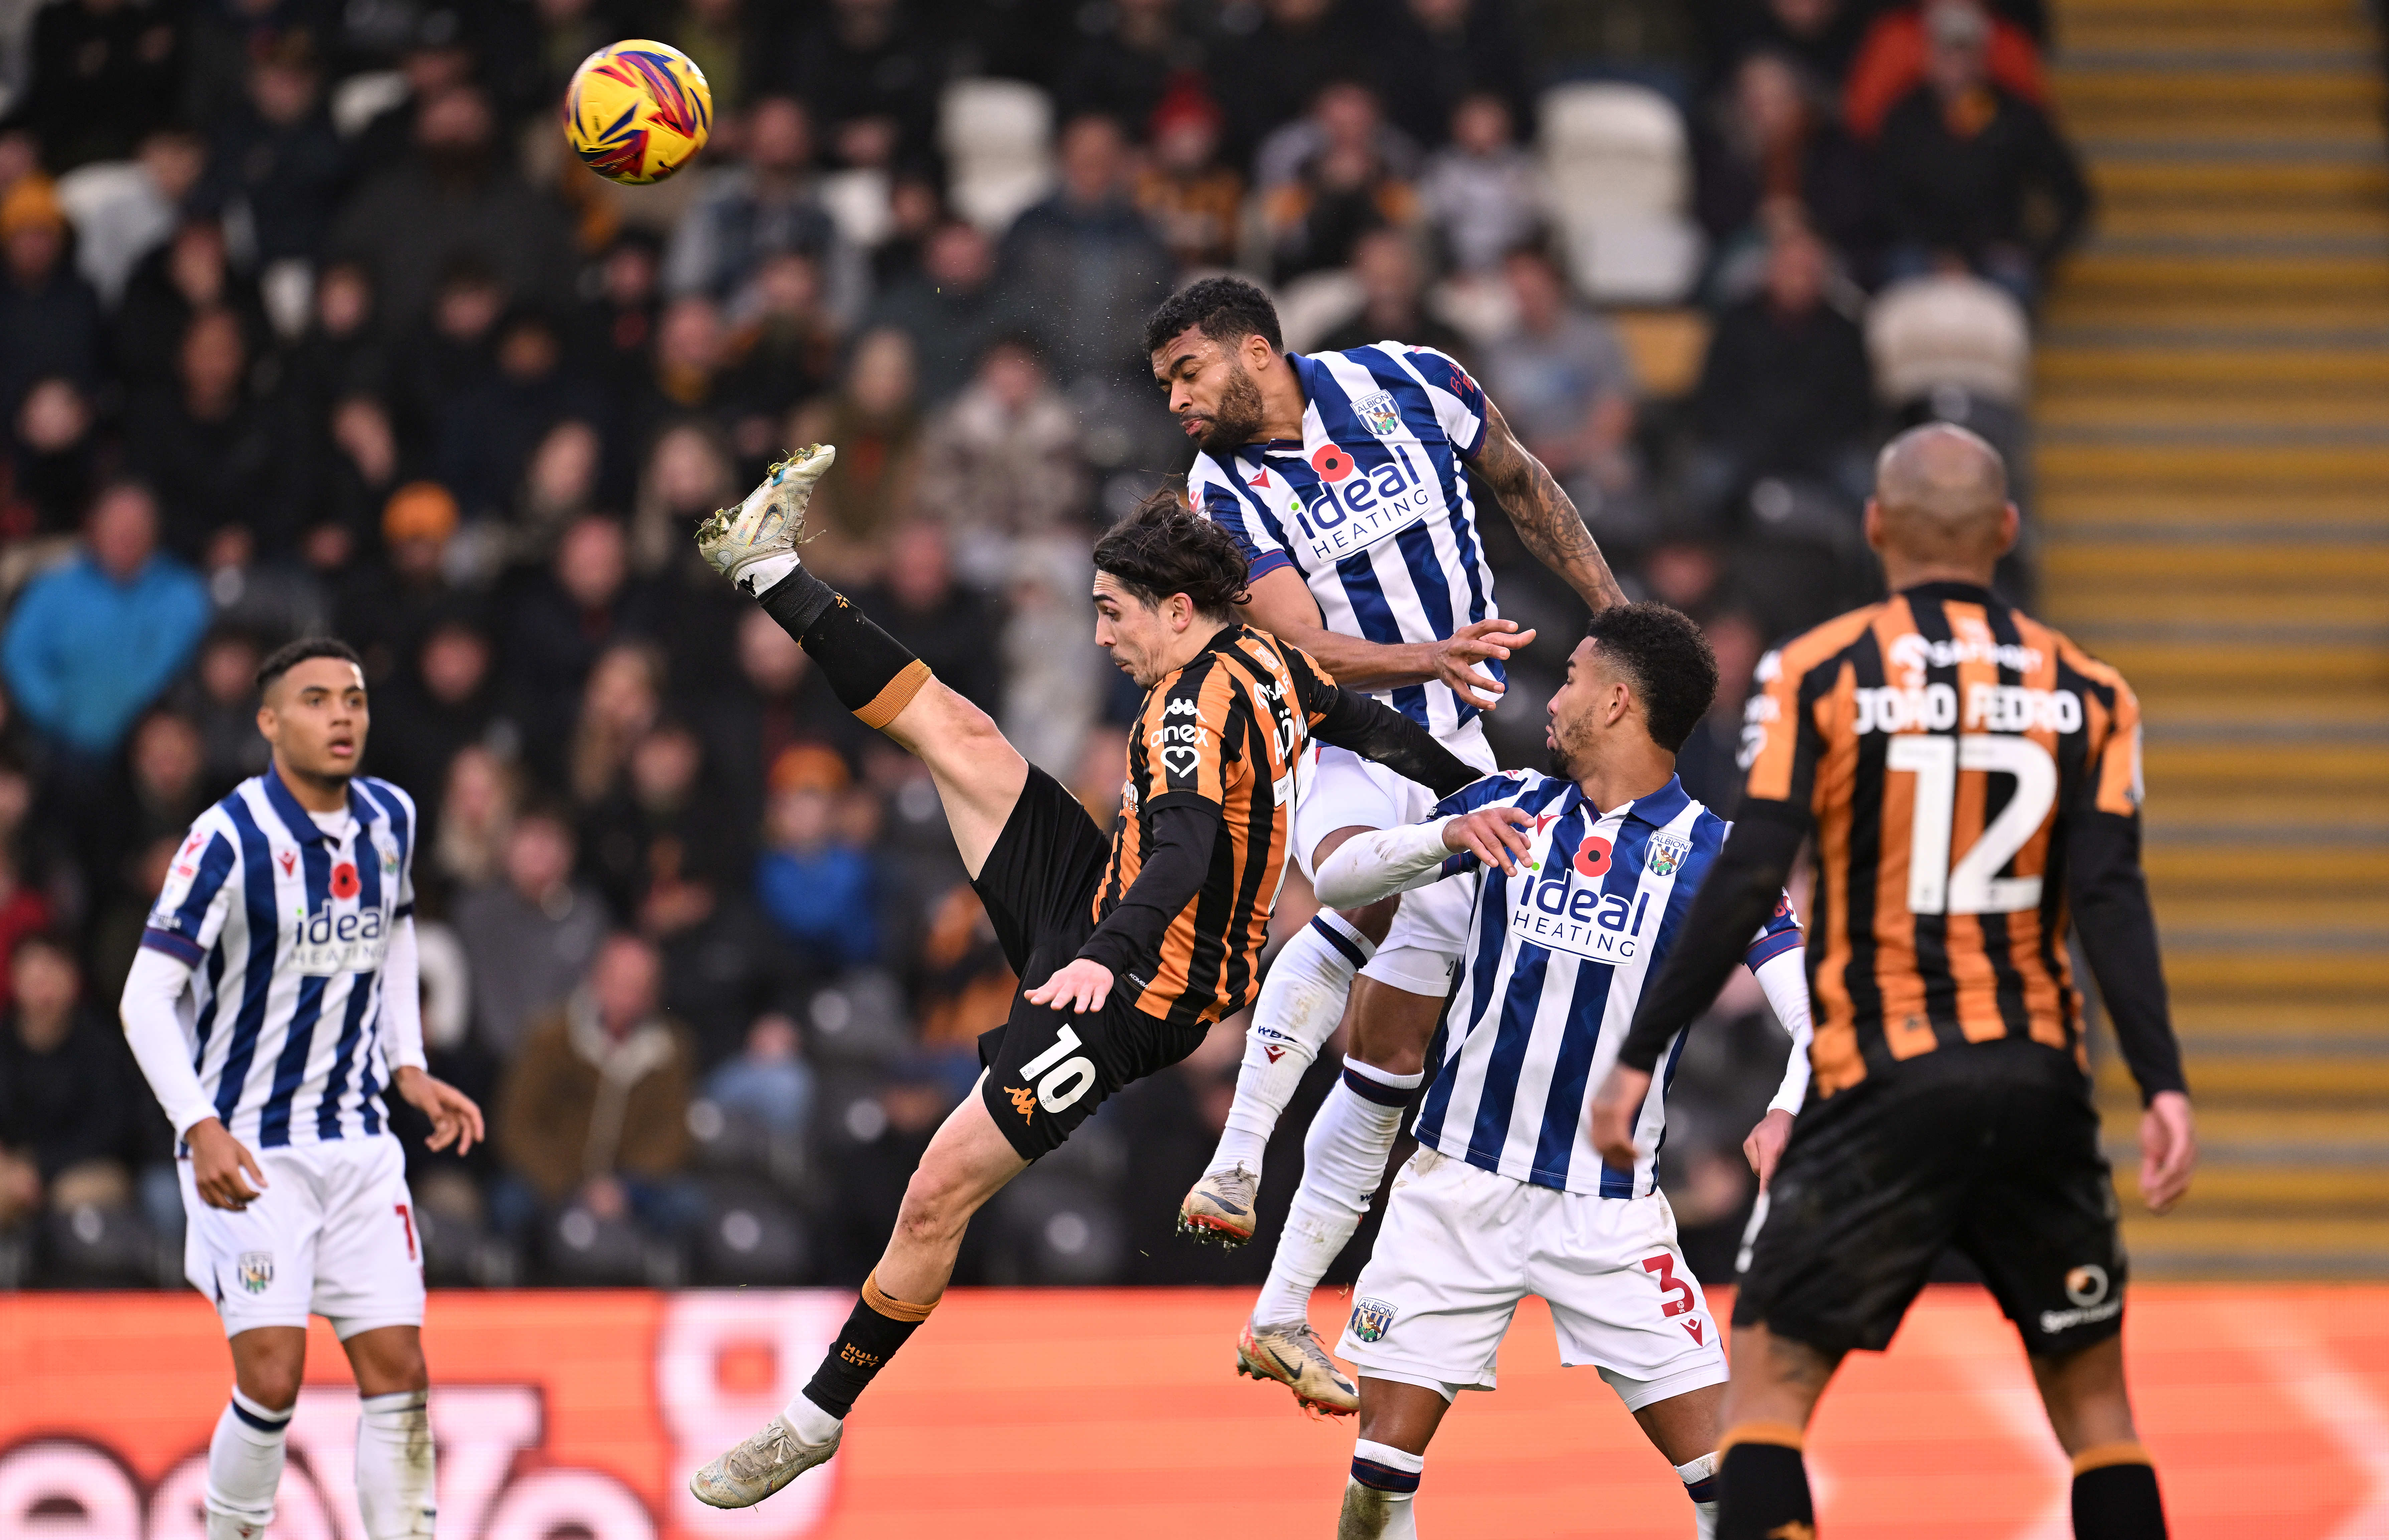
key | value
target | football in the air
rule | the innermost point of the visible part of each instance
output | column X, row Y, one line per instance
column 637, row 111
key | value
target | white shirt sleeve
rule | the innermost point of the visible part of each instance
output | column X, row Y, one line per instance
column 1784, row 977
column 401, row 997
column 154, row 1033
column 1382, row 863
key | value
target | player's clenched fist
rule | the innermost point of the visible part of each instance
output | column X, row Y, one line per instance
column 217, row 1161
column 1496, row 836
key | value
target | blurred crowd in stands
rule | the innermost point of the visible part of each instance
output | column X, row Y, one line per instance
column 308, row 322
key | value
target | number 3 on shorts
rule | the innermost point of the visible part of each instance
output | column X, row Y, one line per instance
column 1078, row 1073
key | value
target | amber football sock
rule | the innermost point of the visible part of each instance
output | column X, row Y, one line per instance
column 2116, row 1495
column 1763, row 1485
column 876, row 1329
column 869, row 670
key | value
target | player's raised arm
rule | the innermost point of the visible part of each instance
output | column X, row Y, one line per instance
column 1545, row 516
column 1282, row 606
column 1344, row 718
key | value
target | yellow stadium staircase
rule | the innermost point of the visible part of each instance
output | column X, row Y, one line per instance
column 2212, row 408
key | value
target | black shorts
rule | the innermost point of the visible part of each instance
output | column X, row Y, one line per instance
column 1991, row 1147
column 1047, row 1068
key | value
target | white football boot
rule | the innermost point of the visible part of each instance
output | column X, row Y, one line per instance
column 758, row 1465
column 754, row 545
column 1291, row 1353
column 1221, row 1207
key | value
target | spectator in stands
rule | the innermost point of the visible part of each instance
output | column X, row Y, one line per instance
column 455, row 197
column 817, row 888
column 125, row 212
column 1393, row 286
column 688, row 476
column 769, row 1082
column 1081, row 268
column 49, row 316
column 1272, row 74
column 561, row 624
column 67, row 1106
column 944, row 624
column 1818, row 35
column 192, row 272
column 595, row 1109
column 1964, row 162
column 433, row 366
column 1002, row 462
column 1433, row 54
column 1896, row 58
column 1768, row 150
column 529, row 933
column 1330, row 178
column 621, row 705
column 872, row 78
column 339, row 355
column 618, row 327
column 278, row 155
column 875, row 422
column 91, row 644
column 1194, row 203
column 657, row 847
column 101, row 74
column 759, row 209
column 1567, row 390
column 53, row 457
column 218, row 455
column 1481, row 195
column 1785, row 389
column 783, row 351
column 429, row 713
column 489, row 432
column 385, row 611
column 220, row 700
column 947, row 309
column 1707, row 764
column 477, row 818
column 559, row 486
column 1128, row 55
column 778, row 699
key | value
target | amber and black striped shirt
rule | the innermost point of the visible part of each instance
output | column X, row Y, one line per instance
column 1941, row 741
column 1225, row 730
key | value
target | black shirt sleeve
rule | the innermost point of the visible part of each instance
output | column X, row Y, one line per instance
column 1175, row 864
column 1376, row 731
column 2110, row 895
column 1740, row 892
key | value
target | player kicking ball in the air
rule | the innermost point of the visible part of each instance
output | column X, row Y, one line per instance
column 1579, row 882
column 275, row 997
column 1344, row 478
column 1128, row 952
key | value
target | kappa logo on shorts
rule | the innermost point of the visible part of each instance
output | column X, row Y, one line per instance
column 1372, row 1318
column 256, row 1271
column 1024, row 1100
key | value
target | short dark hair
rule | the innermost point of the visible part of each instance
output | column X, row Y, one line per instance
column 1663, row 654
column 1165, row 549
column 290, row 654
column 1227, row 309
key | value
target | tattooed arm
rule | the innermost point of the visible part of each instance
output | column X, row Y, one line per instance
column 1542, row 514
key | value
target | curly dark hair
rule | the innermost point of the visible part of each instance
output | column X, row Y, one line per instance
column 1227, row 309
column 1668, row 662
column 290, row 654
column 1164, row 548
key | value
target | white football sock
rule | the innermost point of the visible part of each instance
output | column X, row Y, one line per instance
column 1301, row 1003
column 1343, row 1160
column 1700, row 1484
column 245, row 1468
column 397, row 1483
column 1378, row 1498
column 812, row 1425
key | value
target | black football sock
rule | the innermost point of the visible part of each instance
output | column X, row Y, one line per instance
column 2116, row 1495
column 867, row 669
column 876, row 1329
column 1763, row 1485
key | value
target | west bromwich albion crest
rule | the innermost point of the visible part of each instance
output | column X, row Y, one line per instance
column 257, row 1271
column 1379, row 413
column 1667, row 853
column 1371, row 1318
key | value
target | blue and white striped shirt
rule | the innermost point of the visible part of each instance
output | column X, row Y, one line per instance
column 1371, row 508
column 286, row 925
column 1558, row 957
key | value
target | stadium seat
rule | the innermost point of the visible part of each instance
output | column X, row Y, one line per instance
column 89, row 1245
column 1311, row 306
column 1061, row 1229
column 857, row 201
column 998, row 136
column 583, row 1250
column 359, row 99
column 1924, row 334
column 1617, row 170
column 750, row 1237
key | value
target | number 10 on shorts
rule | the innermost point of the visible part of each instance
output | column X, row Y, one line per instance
column 1066, row 1079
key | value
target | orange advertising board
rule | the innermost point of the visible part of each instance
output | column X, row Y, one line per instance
column 1054, row 1414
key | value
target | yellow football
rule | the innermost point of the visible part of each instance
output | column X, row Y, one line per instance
column 637, row 111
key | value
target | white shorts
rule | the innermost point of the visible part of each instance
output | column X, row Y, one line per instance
column 332, row 1235
column 1460, row 1247
column 1344, row 790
